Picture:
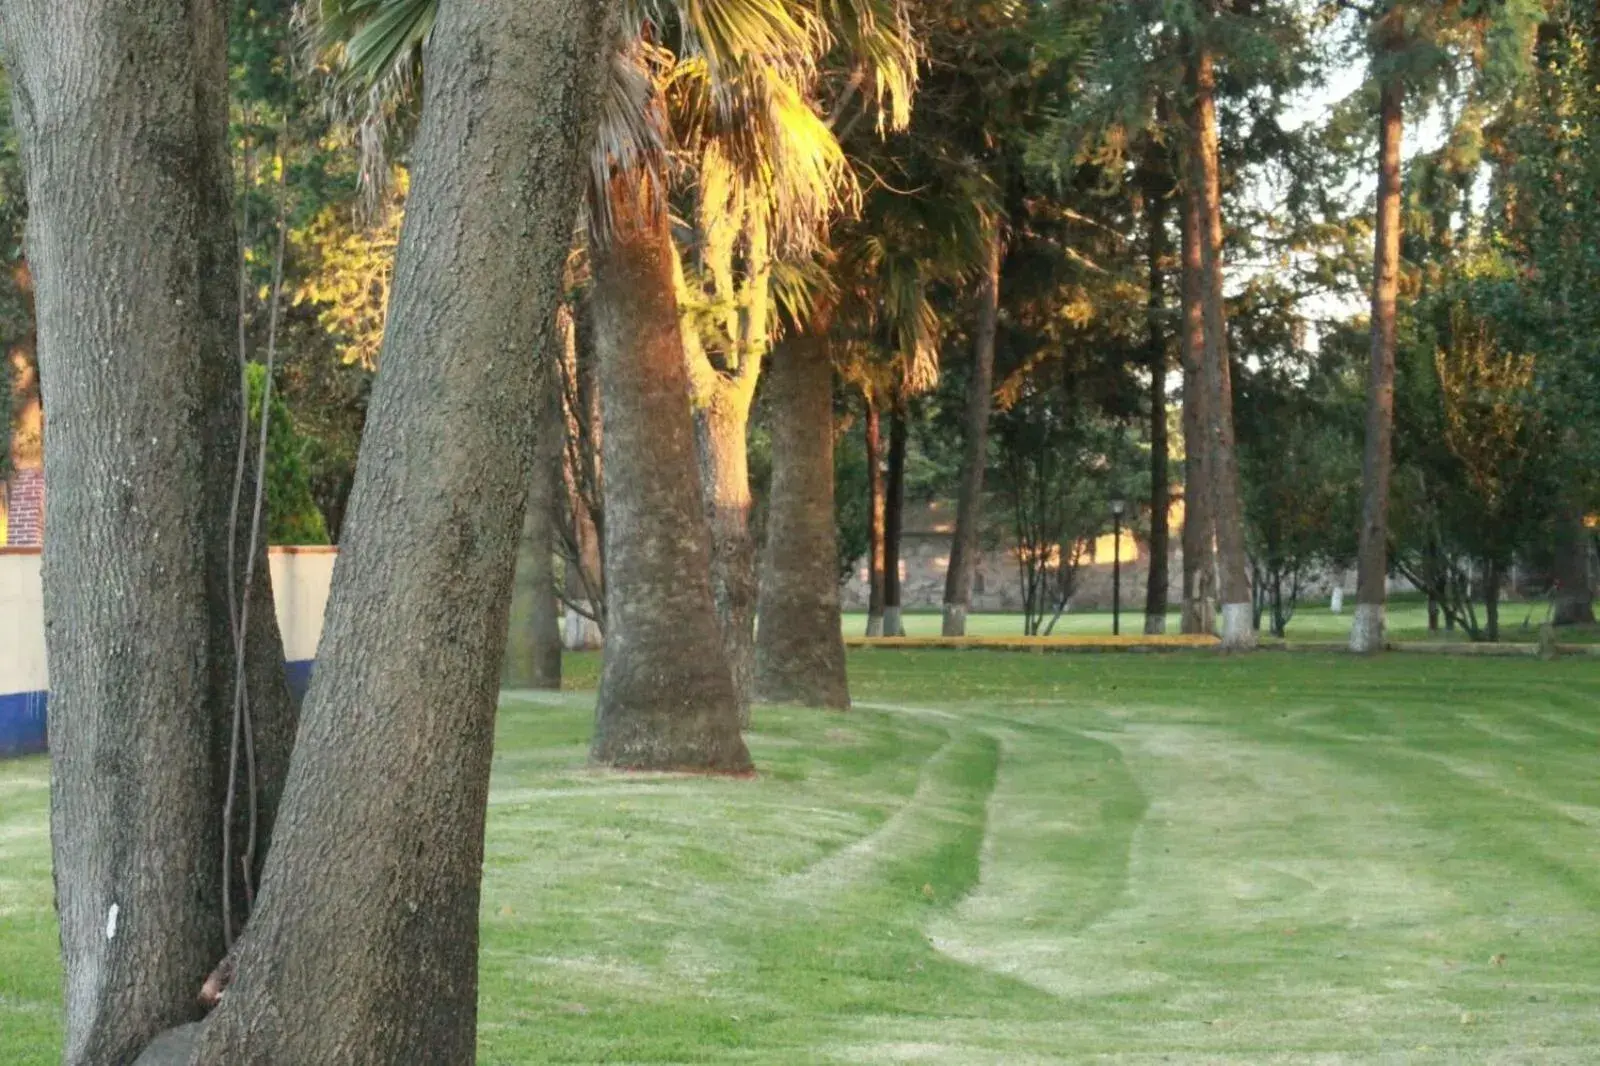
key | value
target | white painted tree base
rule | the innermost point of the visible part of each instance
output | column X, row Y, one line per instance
column 1238, row 627
column 874, row 625
column 1155, row 625
column 892, row 626
column 1366, row 628
column 955, row 620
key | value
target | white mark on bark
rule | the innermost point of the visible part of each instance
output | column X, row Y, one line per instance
column 111, row 922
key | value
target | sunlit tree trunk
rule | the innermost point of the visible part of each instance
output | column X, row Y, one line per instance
column 122, row 125
column 1199, row 557
column 1367, row 625
column 975, row 456
column 667, row 700
column 364, row 943
column 893, row 521
column 799, row 640
column 875, row 545
column 1238, row 629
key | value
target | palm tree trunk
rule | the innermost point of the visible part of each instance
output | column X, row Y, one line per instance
column 1238, row 630
column 1574, row 593
column 533, row 640
column 1367, row 626
column 133, row 250
column 980, row 398
column 875, row 545
column 893, row 521
column 667, row 700
column 1155, row 600
column 799, row 639
column 721, row 429
column 1199, row 532
column 379, row 850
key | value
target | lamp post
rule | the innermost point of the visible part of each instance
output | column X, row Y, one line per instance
column 1117, row 507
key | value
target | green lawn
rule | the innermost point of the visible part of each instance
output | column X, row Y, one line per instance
column 1005, row 858
column 1408, row 620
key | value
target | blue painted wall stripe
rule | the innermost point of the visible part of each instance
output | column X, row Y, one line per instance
column 23, row 729
column 22, row 723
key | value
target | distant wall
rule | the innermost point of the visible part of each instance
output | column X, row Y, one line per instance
column 300, row 579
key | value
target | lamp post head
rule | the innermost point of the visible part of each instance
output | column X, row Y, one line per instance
column 1117, row 507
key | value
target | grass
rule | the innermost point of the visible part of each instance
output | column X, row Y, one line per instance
column 1407, row 621
column 1010, row 859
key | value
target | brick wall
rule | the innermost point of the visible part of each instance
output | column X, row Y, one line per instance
column 25, row 509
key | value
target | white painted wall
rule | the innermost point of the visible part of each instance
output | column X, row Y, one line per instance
column 22, row 666
column 300, row 578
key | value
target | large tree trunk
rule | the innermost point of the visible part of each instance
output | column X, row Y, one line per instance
column 1199, row 533
column 1238, row 615
column 980, row 398
column 533, row 639
column 894, row 505
column 799, row 639
column 874, row 434
column 1574, row 592
column 122, row 121
column 667, row 700
column 721, row 428
column 379, row 847
column 1367, row 625
column 1155, row 207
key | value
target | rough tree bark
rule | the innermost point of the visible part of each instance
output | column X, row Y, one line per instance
column 799, row 641
column 533, row 639
column 1157, row 187
column 1199, row 532
column 379, row 847
column 875, row 549
column 975, row 454
column 1574, row 592
column 722, row 424
column 894, row 506
column 667, row 700
column 122, row 118
column 1227, row 512
column 1372, row 574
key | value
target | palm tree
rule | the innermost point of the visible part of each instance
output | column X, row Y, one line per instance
column 728, row 86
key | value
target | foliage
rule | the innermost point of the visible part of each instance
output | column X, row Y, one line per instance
column 292, row 516
column 1300, row 462
column 1057, row 464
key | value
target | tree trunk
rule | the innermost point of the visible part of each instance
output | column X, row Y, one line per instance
column 1491, row 602
column 667, row 700
column 1238, row 632
column 721, row 429
column 875, row 546
column 533, row 638
column 1574, row 591
column 980, row 398
column 1367, row 626
column 1199, row 533
column 122, row 121
column 1155, row 206
column 799, row 639
column 893, row 521
column 379, row 848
